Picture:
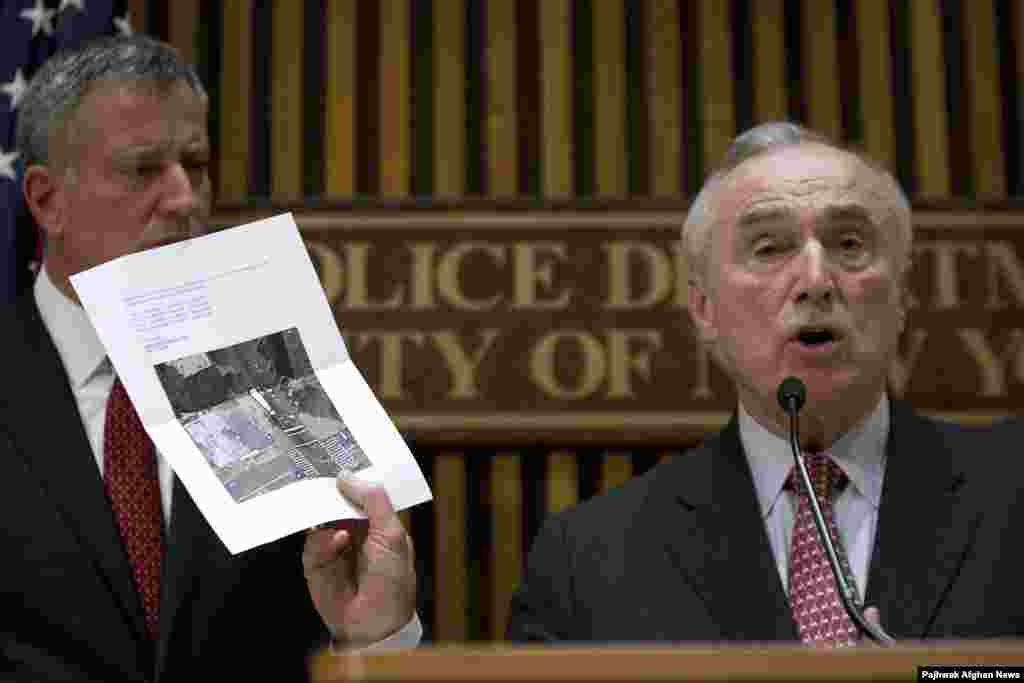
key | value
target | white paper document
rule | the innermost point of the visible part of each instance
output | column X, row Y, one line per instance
column 231, row 354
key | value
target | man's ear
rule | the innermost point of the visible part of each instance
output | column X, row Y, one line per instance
column 43, row 197
column 702, row 310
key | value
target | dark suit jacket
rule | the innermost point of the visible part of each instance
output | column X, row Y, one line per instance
column 681, row 554
column 68, row 608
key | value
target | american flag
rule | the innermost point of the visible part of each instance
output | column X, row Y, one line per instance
column 30, row 31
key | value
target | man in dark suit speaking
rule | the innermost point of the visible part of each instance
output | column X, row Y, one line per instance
column 798, row 254
column 110, row 573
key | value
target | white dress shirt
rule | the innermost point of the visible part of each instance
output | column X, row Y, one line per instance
column 860, row 453
column 89, row 372
column 92, row 377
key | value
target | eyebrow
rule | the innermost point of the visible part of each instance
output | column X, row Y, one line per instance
column 760, row 216
column 849, row 212
column 839, row 212
column 154, row 152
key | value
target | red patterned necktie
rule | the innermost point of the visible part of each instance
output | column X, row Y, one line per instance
column 813, row 595
column 130, row 476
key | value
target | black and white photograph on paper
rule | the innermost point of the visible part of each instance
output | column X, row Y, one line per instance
column 258, row 414
column 248, row 407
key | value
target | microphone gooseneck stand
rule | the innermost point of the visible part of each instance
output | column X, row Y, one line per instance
column 792, row 394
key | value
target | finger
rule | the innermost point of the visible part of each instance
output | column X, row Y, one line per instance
column 371, row 499
column 353, row 526
column 873, row 616
column 328, row 558
column 323, row 547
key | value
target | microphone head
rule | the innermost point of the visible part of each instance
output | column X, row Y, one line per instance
column 792, row 394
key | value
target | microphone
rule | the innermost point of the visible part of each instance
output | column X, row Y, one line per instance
column 792, row 394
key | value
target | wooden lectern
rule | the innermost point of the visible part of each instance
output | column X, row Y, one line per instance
column 708, row 663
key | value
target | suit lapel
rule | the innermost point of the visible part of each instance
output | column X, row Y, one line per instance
column 720, row 544
column 56, row 451
column 193, row 551
column 923, row 527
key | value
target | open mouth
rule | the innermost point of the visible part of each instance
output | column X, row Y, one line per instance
column 817, row 337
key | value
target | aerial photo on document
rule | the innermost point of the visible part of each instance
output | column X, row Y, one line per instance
column 258, row 414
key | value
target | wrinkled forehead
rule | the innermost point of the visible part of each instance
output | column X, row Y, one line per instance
column 177, row 97
column 809, row 176
column 123, row 111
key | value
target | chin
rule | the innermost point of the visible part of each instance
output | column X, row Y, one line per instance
column 824, row 386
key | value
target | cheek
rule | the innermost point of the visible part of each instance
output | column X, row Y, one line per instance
column 880, row 307
column 748, row 325
column 102, row 234
column 879, row 289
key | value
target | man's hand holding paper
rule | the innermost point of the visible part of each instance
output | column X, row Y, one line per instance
column 360, row 572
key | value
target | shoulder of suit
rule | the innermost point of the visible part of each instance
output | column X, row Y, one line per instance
column 654, row 487
column 999, row 448
column 978, row 453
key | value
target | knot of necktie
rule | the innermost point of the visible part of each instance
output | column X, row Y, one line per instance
column 827, row 478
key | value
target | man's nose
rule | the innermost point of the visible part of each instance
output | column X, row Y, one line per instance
column 180, row 195
column 815, row 279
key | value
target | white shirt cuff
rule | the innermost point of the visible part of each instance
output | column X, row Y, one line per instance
column 405, row 638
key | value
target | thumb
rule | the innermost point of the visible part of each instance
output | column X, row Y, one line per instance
column 370, row 499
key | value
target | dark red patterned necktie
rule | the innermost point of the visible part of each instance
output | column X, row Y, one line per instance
column 130, row 476
column 813, row 594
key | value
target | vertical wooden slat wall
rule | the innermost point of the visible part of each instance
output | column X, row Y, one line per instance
column 821, row 72
column 506, row 492
column 236, row 102
column 616, row 470
column 717, row 96
column 609, row 98
column 875, row 71
column 450, row 568
column 449, row 98
column 556, row 97
column 502, row 124
column 182, row 27
column 399, row 109
column 769, row 60
column 138, row 15
column 393, row 85
column 931, row 122
column 1015, row 33
column 665, row 98
column 562, row 481
column 340, row 123
column 1016, row 30
column 676, row 36
column 286, row 102
column 986, row 127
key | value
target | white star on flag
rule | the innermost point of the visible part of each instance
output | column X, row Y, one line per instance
column 78, row 4
column 41, row 18
column 15, row 88
column 7, row 164
column 124, row 24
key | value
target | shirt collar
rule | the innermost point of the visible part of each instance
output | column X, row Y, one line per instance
column 76, row 340
column 860, row 453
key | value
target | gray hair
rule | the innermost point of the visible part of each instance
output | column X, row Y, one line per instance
column 57, row 90
column 767, row 137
